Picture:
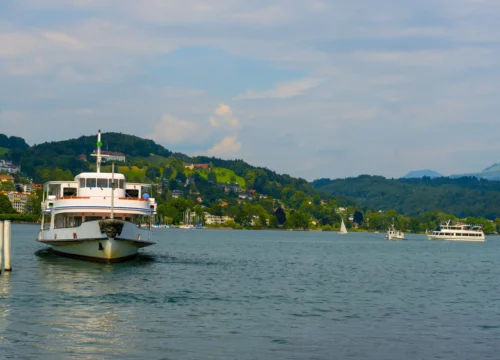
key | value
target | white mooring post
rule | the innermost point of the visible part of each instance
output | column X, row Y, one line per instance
column 1, row 245
column 6, row 246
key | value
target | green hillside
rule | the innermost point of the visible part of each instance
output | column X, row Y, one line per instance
column 466, row 196
column 228, row 176
column 306, row 205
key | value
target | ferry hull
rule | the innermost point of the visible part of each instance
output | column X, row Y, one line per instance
column 394, row 237
column 456, row 238
column 88, row 243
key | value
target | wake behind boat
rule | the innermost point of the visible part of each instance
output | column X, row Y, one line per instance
column 457, row 231
column 98, row 216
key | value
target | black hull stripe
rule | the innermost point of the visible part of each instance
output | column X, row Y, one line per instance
column 80, row 241
column 95, row 259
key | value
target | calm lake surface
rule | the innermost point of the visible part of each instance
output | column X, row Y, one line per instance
column 207, row 294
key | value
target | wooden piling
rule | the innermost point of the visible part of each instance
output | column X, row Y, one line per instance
column 6, row 246
column 1, row 245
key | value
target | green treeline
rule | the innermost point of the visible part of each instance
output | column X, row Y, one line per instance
column 366, row 203
column 462, row 197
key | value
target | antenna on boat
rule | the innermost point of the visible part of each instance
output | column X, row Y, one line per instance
column 98, row 154
column 99, row 144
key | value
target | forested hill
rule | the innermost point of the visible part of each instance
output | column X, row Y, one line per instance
column 12, row 142
column 466, row 196
column 62, row 156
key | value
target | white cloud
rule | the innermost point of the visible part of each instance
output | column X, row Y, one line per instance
column 172, row 130
column 382, row 66
column 15, row 44
column 224, row 117
column 63, row 39
column 228, row 148
column 282, row 91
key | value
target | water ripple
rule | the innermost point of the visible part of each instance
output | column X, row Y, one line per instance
column 249, row 295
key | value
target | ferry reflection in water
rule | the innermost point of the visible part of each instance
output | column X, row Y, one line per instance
column 93, row 325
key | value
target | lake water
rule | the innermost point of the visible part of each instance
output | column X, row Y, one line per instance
column 207, row 294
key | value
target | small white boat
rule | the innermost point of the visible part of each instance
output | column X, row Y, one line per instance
column 343, row 230
column 98, row 216
column 457, row 232
column 393, row 234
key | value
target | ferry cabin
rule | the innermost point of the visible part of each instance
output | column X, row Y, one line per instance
column 475, row 233
column 89, row 198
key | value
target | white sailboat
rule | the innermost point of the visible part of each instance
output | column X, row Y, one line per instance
column 343, row 230
column 98, row 216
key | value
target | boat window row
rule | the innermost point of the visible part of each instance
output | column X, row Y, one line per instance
column 101, row 183
column 63, row 221
column 463, row 234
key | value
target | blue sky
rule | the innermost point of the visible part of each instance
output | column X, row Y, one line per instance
column 310, row 88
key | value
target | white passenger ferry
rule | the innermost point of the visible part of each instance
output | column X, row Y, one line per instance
column 457, row 231
column 98, row 216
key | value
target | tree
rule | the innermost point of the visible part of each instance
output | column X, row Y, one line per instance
column 7, row 186
column 280, row 215
column 152, row 172
column 173, row 185
column 34, row 204
column 358, row 217
column 298, row 220
column 168, row 172
column 181, row 176
column 5, row 205
column 273, row 221
column 414, row 225
column 212, row 176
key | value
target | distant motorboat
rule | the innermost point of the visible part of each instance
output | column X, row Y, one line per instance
column 393, row 234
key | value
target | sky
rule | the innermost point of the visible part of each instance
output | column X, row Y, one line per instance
column 311, row 88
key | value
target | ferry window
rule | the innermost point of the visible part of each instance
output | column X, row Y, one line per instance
column 77, row 221
column 91, row 183
column 121, row 184
column 132, row 193
column 54, row 190
column 102, row 183
column 69, row 191
column 146, row 189
column 82, row 182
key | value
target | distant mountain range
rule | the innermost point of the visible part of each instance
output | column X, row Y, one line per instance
column 417, row 174
column 490, row 173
